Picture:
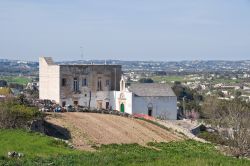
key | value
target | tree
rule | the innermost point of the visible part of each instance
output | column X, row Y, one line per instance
column 146, row 80
column 177, row 83
column 233, row 118
column 16, row 86
column 220, row 93
column 238, row 94
column 190, row 98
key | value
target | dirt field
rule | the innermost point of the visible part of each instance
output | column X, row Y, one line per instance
column 87, row 129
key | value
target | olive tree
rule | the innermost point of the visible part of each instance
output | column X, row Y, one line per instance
column 233, row 117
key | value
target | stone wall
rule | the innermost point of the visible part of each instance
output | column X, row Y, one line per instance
column 51, row 83
column 108, row 75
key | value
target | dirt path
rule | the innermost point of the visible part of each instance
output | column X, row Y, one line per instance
column 89, row 129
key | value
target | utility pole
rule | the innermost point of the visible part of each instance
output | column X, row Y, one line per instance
column 81, row 49
column 115, row 89
column 115, row 79
column 184, row 109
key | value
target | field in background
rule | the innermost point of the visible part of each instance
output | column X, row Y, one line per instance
column 16, row 79
column 169, row 79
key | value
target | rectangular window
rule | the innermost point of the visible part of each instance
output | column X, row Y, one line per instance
column 84, row 82
column 75, row 103
column 76, row 85
column 99, row 84
column 63, row 103
column 107, row 82
column 107, row 105
column 63, row 81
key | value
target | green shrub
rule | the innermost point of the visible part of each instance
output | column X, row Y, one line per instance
column 213, row 137
column 14, row 115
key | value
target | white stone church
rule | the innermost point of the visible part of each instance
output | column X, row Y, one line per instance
column 102, row 86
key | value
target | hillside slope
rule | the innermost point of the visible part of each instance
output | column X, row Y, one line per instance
column 39, row 149
column 88, row 129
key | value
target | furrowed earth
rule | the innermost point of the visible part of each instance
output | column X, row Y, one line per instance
column 91, row 129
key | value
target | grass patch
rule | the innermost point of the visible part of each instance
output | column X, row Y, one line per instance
column 30, row 143
column 43, row 150
column 16, row 79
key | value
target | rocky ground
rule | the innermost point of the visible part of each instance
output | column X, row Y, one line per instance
column 182, row 126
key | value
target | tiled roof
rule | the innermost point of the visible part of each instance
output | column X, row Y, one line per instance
column 151, row 89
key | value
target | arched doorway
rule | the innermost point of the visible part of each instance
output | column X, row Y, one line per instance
column 122, row 108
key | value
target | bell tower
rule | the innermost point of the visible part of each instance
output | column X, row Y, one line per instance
column 122, row 84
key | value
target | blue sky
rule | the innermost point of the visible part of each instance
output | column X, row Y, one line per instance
column 165, row 30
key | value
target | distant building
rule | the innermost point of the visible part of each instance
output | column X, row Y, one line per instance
column 102, row 86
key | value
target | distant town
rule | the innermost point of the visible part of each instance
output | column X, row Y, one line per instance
column 228, row 79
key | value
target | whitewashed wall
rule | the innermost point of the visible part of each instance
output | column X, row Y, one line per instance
column 128, row 104
column 162, row 106
column 116, row 103
column 49, row 81
column 114, row 99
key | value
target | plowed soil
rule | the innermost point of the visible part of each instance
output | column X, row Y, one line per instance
column 88, row 129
